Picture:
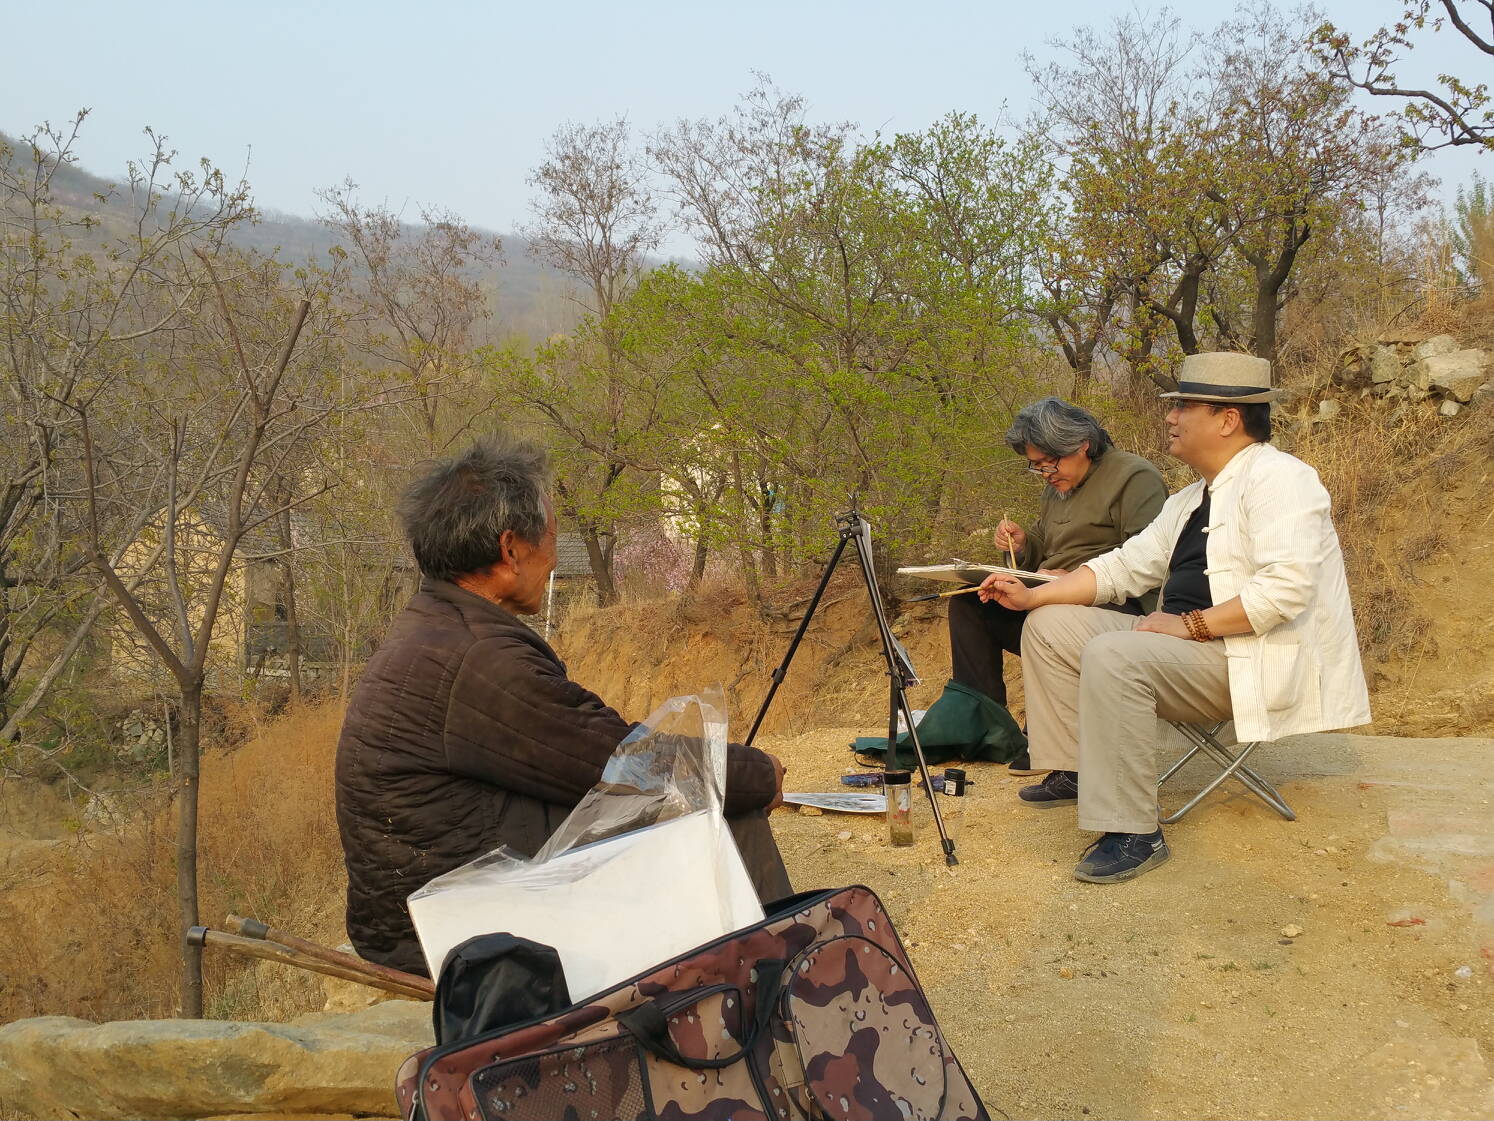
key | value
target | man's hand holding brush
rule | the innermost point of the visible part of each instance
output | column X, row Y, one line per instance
column 1010, row 538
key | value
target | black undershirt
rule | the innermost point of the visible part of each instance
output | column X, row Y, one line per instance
column 1187, row 588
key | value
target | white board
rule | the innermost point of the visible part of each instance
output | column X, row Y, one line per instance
column 611, row 909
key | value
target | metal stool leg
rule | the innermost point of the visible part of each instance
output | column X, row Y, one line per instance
column 1233, row 766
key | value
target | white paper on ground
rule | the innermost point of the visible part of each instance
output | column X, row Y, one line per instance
column 611, row 909
column 852, row 803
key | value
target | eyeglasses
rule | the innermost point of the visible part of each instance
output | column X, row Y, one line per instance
column 1043, row 467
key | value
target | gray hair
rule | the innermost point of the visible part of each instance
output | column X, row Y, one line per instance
column 1057, row 428
column 455, row 515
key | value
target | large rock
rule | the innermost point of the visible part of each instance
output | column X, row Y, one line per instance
column 1434, row 346
column 322, row 1063
column 1353, row 369
column 1457, row 374
column 1385, row 366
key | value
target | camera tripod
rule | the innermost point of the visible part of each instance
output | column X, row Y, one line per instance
column 856, row 530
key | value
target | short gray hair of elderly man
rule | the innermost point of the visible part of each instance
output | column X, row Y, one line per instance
column 456, row 513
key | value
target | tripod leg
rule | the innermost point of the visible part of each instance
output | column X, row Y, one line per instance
column 889, row 759
column 896, row 670
column 782, row 671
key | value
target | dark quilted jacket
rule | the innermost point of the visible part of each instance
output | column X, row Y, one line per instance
column 462, row 735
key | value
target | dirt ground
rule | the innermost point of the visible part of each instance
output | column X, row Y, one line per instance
column 1176, row 995
column 1191, row 992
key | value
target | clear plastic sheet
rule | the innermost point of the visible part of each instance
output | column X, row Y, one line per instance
column 643, row 868
column 672, row 764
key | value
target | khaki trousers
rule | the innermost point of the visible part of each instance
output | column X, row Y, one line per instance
column 1099, row 694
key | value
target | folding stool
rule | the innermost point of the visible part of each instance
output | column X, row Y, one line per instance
column 1205, row 741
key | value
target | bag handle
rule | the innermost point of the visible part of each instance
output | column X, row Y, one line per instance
column 650, row 1027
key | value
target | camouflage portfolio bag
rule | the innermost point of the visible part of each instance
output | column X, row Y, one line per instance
column 813, row 1013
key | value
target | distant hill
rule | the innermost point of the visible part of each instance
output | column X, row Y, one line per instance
column 528, row 298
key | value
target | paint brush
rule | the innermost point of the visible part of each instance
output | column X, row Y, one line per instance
column 942, row 595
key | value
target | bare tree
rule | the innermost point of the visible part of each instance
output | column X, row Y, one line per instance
column 79, row 294
column 420, row 300
column 197, row 451
column 596, row 221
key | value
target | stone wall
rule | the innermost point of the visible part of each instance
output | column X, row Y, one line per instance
column 317, row 1065
column 1436, row 373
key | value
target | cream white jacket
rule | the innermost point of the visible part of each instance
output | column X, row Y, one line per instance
column 1271, row 542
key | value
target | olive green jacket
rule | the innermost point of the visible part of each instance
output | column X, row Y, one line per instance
column 1117, row 500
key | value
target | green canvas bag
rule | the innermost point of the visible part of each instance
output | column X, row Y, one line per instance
column 963, row 724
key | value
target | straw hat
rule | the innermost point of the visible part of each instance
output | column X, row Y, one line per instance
column 1224, row 379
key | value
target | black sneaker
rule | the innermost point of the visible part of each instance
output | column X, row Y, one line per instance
column 1122, row 856
column 1022, row 765
column 1059, row 788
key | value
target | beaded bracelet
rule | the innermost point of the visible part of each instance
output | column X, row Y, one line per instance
column 1198, row 629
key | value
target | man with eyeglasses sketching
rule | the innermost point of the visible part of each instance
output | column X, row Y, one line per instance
column 1096, row 497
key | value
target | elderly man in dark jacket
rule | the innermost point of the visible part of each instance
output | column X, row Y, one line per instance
column 464, row 732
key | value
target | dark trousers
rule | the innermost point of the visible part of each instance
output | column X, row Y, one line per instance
column 979, row 632
column 754, row 837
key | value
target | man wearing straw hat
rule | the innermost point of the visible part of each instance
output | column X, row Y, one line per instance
column 1254, row 623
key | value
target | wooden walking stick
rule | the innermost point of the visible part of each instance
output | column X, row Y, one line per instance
column 260, row 941
column 253, row 928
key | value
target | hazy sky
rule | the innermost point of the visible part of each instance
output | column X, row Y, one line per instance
column 450, row 103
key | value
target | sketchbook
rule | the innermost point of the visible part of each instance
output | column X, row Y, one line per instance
column 963, row 572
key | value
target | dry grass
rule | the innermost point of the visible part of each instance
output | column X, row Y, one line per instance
column 1357, row 458
column 93, row 921
column 1396, row 476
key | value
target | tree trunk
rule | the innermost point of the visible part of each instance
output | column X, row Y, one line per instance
column 292, row 616
column 744, row 550
column 1181, row 308
column 1078, row 346
column 347, row 658
column 698, row 567
column 1270, row 277
column 188, row 746
column 601, row 565
column 346, row 641
column 1263, row 317
column 7, row 679
column 1083, row 374
column 292, row 636
column 768, row 496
